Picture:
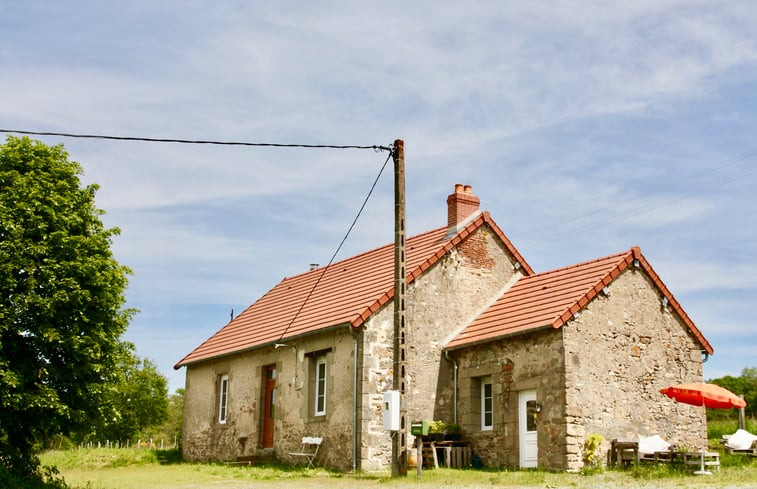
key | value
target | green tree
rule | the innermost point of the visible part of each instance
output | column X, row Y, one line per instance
column 138, row 400
column 168, row 432
column 61, row 301
column 743, row 385
column 173, row 424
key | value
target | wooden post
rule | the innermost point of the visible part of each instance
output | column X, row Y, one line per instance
column 419, row 454
column 399, row 442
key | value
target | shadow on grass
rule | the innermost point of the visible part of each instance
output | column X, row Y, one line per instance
column 169, row 457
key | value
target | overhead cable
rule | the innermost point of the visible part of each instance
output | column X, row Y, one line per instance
column 374, row 147
column 323, row 272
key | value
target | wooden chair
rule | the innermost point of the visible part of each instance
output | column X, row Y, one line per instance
column 310, row 446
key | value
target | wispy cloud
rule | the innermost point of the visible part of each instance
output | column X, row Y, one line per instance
column 584, row 127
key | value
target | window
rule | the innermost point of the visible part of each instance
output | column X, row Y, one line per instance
column 320, row 387
column 223, row 397
column 487, row 405
column 532, row 414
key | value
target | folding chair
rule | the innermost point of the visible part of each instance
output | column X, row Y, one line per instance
column 310, row 446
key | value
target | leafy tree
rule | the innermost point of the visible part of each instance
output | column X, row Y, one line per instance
column 172, row 426
column 743, row 385
column 138, row 399
column 61, row 301
column 170, row 430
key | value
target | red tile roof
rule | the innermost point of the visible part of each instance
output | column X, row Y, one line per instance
column 348, row 292
column 551, row 298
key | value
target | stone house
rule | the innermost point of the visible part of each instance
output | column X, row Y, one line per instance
column 528, row 364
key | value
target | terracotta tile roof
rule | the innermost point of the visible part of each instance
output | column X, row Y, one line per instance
column 550, row 299
column 348, row 292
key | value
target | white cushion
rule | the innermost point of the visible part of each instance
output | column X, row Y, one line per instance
column 651, row 444
column 741, row 440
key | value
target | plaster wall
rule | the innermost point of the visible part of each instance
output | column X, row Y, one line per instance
column 206, row 439
column 620, row 351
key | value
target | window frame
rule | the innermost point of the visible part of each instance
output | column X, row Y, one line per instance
column 223, row 399
column 319, row 393
column 484, row 382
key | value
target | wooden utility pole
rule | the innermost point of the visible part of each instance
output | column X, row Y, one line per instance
column 399, row 443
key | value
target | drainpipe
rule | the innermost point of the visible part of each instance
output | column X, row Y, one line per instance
column 354, row 399
column 454, row 383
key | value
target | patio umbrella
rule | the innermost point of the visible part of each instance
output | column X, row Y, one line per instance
column 707, row 395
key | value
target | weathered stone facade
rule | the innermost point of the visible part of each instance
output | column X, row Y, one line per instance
column 528, row 361
column 600, row 373
column 439, row 303
column 595, row 366
column 207, row 439
column 620, row 351
column 468, row 277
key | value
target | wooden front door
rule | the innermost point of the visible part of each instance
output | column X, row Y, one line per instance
column 269, row 400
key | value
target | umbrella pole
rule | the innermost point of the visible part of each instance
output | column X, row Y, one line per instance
column 701, row 470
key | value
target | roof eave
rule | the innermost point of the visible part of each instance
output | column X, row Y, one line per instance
column 637, row 255
column 260, row 346
column 497, row 338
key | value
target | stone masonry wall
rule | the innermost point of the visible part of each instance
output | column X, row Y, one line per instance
column 206, row 439
column 528, row 361
column 619, row 352
column 446, row 299
column 376, row 378
column 439, row 303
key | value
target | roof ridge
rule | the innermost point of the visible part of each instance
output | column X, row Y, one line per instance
column 582, row 264
column 363, row 253
column 446, row 244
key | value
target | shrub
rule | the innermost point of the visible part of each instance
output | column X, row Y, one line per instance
column 591, row 454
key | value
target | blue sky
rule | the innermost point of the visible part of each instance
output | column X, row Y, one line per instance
column 584, row 127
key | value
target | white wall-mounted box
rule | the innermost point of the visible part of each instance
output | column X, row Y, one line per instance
column 391, row 408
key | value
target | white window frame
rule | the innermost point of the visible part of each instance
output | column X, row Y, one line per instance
column 487, row 381
column 223, row 398
column 319, row 408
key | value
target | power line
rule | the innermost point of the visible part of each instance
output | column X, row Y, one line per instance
column 354, row 221
column 374, row 147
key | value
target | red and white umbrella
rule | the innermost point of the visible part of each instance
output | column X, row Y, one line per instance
column 707, row 395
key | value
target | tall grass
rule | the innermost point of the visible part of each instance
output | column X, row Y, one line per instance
column 100, row 458
column 716, row 428
column 136, row 469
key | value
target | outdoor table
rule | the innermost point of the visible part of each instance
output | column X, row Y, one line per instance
column 457, row 454
column 667, row 456
column 711, row 459
column 621, row 450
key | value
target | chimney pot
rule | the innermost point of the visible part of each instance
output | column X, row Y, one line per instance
column 460, row 205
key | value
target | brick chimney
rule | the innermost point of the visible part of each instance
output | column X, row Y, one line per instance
column 461, row 205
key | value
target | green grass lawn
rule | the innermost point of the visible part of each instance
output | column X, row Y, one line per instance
column 138, row 469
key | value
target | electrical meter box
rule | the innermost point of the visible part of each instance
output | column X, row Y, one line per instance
column 391, row 408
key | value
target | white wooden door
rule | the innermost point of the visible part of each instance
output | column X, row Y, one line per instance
column 527, row 418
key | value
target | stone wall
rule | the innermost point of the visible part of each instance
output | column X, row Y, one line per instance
column 441, row 302
column 376, row 378
column 206, row 439
column 619, row 352
column 528, row 361
column 445, row 300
